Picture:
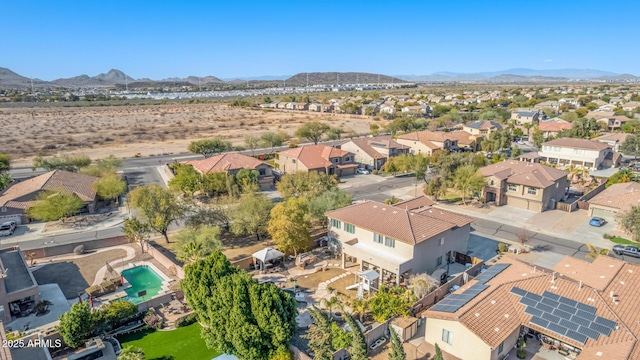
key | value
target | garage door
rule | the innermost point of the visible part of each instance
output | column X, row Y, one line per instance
column 605, row 214
column 524, row 204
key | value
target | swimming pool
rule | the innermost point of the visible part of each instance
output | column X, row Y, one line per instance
column 142, row 278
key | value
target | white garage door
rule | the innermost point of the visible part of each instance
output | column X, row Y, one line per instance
column 605, row 214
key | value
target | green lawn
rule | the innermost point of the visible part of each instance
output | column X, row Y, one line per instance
column 183, row 343
column 623, row 241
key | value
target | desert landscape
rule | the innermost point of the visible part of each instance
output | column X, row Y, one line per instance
column 126, row 131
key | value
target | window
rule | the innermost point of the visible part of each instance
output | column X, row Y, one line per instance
column 262, row 172
column 349, row 228
column 447, row 336
column 347, row 159
column 491, row 182
column 377, row 238
column 500, row 348
column 513, row 187
column 336, row 160
column 335, row 223
column 441, row 241
column 532, row 191
column 390, row 242
column 293, row 161
column 439, row 261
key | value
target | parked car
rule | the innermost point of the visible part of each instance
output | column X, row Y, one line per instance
column 362, row 171
column 6, row 230
column 597, row 221
column 13, row 224
column 521, row 142
column 376, row 344
column 626, row 250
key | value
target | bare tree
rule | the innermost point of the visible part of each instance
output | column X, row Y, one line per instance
column 523, row 236
column 422, row 284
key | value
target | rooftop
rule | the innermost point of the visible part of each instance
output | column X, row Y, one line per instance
column 79, row 184
column 577, row 144
column 314, row 156
column 621, row 196
column 617, row 137
column 408, row 226
column 17, row 275
column 369, row 145
column 524, row 173
column 225, row 162
column 485, row 125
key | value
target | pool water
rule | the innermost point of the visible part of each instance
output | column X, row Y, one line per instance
column 142, row 278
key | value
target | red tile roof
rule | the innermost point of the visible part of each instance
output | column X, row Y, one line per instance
column 225, row 162
column 524, row 173
column 314, row 156
column 411, row 227
column 622, row 196
column 415, row 203
column 554, row 126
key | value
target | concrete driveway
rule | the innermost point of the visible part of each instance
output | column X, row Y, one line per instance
column 359, row 180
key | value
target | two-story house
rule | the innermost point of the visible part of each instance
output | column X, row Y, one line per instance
column 526, row 185
column 580, row 152
column 397, row 240
column 614, row 140
column 231, row 163
column 327, row 159
column 18, row 288
column 521, row 117
column 374, row 152
column 427, row 142
column 483, row 128
column 614, row 123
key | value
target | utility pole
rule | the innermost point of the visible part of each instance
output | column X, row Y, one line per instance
column 284, row 84
column 307, row 79
column 378, row 79
column 33, row 91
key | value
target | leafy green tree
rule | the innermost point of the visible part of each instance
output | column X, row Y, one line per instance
column 251, row 215
column 102, row 167
column 516, row 152
column 252, row 142
column 5, row 163
column 136, row 231
column 631, row 146
column 397, row 351
column 110, row 186
column 131, row 353
column 392, row 200
column 538, row 137
column 66, row 162
column 417, row 164
column 216, row 183
column 390, row 302
column 436, row 187
column 630, row 222
column 360, row 306
column 76, row 324
column 319, row 335
column 468, row 180
column 272, row 140
column 622, row 176
column 246, row 177
column 594, row 252
column 55, row 205
column 240, row 316
column 289, row 225
column 358, row 348
column 438, row 355
column 631, row 127
column 313, row 131
column 187, row 179
column 335, row 133
column 329, row 200
column 306, row 184
column 209, row 147
column 195, row 244
column 159, row 207
column 5, row 180
column 374, row 129
column 115, row 313
column 218, row 214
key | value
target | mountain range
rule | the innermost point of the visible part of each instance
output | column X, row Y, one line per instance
column 12, row 80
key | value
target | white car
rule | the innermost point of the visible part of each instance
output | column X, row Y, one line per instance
column 520, row 142
column 362, row 171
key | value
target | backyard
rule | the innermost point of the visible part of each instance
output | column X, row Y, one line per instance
column 183, row 343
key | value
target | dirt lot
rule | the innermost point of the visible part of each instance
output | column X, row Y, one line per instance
column 76, row 275
column 146, row 129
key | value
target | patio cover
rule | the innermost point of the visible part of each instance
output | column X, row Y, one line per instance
column 369, row 274
column 267, row 254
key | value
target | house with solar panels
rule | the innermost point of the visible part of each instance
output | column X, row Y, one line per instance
column 578, row 309
column 372, row 153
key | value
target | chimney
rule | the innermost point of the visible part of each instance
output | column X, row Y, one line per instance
column 553, row 278
column 580, row 286
column 611, row 294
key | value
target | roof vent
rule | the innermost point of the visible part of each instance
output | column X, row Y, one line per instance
column 506, row 316
column 497, row 329
column 477, row 314
column 395, row 212
column 599, row 353
column 602, row 276
column 580, row 286
column 383, row 209
column 630, row 271
column 493, row 302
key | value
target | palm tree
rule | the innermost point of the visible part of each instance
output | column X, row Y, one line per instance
column 594, row 252
column 331, row 303
column 528, row 126
column 360, row 306
column 131, row 353
column 574, row 171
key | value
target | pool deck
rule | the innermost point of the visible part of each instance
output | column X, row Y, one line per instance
column 121, row 293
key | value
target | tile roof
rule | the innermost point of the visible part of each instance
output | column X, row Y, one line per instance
column 415, row 203
column 577, row 144
column 411, row 227
column 225, row 162
column 622, row 196
column 554, row 126
column 485, row 125
column 369, row 145
column 524, row 173
column 426, row 136
column 79, row 184
column 617, row 137
column 496, row 313
column 314, row 156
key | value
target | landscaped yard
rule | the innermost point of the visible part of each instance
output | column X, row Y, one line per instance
column 623, row 241
column 183, row 343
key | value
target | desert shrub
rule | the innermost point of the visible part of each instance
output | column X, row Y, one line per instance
column 188, row 320
column 79, row 250
column 502, row 248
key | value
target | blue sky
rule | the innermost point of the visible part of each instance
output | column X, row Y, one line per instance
column 160, row 39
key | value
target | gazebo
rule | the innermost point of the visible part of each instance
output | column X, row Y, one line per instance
column 265, row 255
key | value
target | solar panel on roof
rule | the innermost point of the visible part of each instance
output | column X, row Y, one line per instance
column 606, row 322
column 569, row 324
column 579, row 320
column 543, row 307
column 568, row 301
column 533, row 311
column 568, row 309
column 600, row 328
column 517, row 291
column 561, row 314
column 550, row 302
column 491, row 272
column 550, row 295
column 588, row 332
column 540, row 322
column 586, row 315
column 557, row 329
column 532, row 296
column 528, row 302
column 552, row 318
column 585, row 307
column 577, row 337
